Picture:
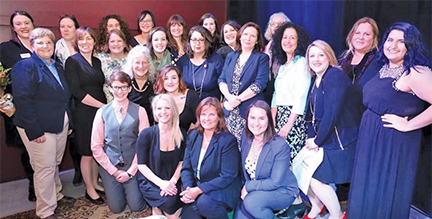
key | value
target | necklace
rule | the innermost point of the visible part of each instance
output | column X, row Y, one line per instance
column 254, row 153
column 312, row 106
column 387, row 72
column 200, row 89
column 146, row 85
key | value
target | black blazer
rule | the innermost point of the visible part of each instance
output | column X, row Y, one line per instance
column 40, row 101
column 219, row 173
column 272, row 170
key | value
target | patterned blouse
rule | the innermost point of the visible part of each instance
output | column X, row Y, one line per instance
column 109, row 66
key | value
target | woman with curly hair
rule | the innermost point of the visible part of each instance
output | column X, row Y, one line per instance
column 177, row 35
column 146, row 21
column 291, row 89
column 107, row 24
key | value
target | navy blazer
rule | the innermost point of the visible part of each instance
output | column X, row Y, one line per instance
column 40, row 101
column 272, row 170
column 219, row 175
column 336, row 111
column 255, row 71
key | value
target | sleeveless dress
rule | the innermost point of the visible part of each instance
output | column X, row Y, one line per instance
column 386, row 159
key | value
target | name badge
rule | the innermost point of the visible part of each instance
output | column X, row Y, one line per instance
column 25, row 55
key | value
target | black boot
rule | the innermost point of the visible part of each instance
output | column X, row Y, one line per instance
column 77, row 180
column 31, row 195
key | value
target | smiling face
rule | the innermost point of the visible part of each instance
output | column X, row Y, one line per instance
column 159, row 42
column 112, row 24
column 22, row 25
column 209, row 118
column 86, row 44
column 394, row 48
column 209, row 24
column 67, row 29
column 318, row 61
column 197, row 42
column 43, row 47
column 249, row 38
column 289, row 41
column 146, row 24
column 362, row 38
column 119, row 94
column 163, row 111
column 116, row 44
column 171, row 82
column 176, row 30
column 257, row 121
column 140, row 67
column 275, row 23
column 230, row 35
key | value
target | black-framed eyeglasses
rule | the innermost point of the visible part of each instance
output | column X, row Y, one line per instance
column 123, row 88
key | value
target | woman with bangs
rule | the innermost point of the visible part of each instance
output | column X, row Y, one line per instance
column 170, row 81
column 229, row 32
column 177, row 35
column 145, row 22
column 114, row 58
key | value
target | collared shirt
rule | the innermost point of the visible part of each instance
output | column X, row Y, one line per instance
column 52, row 69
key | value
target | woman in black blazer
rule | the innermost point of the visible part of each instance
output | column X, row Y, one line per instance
column 210, row 167
column 269, row 184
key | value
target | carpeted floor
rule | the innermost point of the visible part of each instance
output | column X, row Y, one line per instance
column 83, row 209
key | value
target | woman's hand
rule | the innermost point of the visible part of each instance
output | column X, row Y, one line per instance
column 167, row 188
column 243, row 193
column 190, row 194
column 121, row 176
column 310, row 144
column 283, row 132
column 396, row 122
column 227, row 105
column 41, row 139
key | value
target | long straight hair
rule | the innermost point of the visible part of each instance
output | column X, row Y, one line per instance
column 174, row 124
column 270, row 132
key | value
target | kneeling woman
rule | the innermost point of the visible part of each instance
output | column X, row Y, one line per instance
column 210, row 168
column 269, row 183
column 115, row 131
column 160, row 150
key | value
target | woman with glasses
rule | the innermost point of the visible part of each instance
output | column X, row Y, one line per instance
column 202, row 65
column 145, row 23
column 85, row 76
column 115, row 130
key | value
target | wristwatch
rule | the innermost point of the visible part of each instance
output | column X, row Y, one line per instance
column 130, row 175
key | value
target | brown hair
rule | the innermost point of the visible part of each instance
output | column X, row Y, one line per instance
column 122, row 36
column 121, row 77
column 208, row 41
column 80, row 33
column 176, row 19
column 259, row 46
column 270, row 132
column 158, row 86
column 150, row 39
column 204, row 104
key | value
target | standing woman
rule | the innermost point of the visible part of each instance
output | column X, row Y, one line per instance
column 269, row 184
column 244, row 77
column 210, row 173
column 12, row 51
column 115, row 57
column 64, row 47
column 115, row 131
column 291, row 89
column 86, row 79
column 142, row 72
column 160, row 151
column 229, row 33
column 275, row 21
column 177, row 35
column 170, row 81
column 108, row 23
column 145, row 23
column 160, row 55
column 333, row 127
column 209, row 22
column 202, row 66
column 390, row 131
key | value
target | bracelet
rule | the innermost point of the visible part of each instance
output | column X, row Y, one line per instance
column 130, row 175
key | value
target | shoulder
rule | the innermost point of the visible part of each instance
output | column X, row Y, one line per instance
column 232, row 55
column 184, row 60
column 300, row 60
column 421, row 69
column 278, row 143
column 216, row 57
column 150, row 131
column 191, row 95
column 261, row 55
column 225, row 136
column 336, row 74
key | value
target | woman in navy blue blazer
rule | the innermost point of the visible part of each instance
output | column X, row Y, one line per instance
column 210, row 167
column 244, row 77
column 269, row 184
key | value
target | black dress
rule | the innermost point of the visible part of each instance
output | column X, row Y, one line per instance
column 84, row 79
column 188, row 115
column 162, row 164
column 143, row 97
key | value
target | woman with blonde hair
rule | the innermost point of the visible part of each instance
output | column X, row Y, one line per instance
column 160, row 151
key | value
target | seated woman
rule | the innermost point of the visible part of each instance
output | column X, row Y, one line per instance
column 116, row 127
column 142, row 72
column 210, row 168
column 115, row 57
column 170, row 81
column 269, row 184
column 157, row 43
column 160, row 150
column 202, row 66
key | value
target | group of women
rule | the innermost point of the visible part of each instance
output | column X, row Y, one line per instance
column 199, row 124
